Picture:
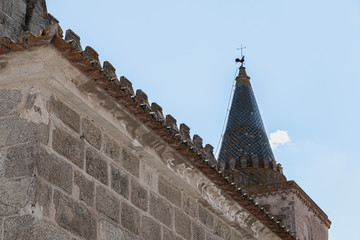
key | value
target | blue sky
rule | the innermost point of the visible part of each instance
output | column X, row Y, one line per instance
column 303, row 59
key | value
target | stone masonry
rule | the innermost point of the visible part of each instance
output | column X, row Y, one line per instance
column 18, row 16
column 76, row 165
column 81, row 159
column 294, row 211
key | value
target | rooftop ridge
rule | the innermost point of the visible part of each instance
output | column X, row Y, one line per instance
column 202, row 158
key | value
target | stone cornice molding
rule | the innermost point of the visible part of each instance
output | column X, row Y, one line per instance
column 285, row 188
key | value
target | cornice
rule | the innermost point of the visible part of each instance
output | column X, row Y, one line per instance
column 287, row 187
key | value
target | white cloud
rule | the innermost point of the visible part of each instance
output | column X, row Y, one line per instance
column 278, row 138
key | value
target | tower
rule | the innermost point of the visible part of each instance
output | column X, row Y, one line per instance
column 245, row 153
column 247, row 161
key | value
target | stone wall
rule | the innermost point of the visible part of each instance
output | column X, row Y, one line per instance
column 75, row 165
column 17, row 16
column 308, row 224
column 294, row 213
column 63, row 175
column 282, row 205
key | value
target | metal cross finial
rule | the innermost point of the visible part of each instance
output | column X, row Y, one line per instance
column 242, row 60
column 241, row 48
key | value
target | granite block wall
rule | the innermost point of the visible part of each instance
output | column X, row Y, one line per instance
column 62, row 176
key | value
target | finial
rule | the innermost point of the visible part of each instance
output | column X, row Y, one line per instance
column 242, row 60
column 242, row 78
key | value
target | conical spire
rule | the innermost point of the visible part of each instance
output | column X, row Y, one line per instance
column 245, row 145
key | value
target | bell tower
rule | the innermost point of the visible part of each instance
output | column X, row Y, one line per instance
column 247, row 161
column 245, row 153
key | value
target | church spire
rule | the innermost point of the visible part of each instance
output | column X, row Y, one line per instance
column 245, row 147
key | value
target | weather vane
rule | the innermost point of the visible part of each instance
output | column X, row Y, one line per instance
column 242, row 60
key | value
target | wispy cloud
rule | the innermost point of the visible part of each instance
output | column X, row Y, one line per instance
column 279, row 138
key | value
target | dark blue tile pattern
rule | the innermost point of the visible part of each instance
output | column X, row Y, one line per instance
column 245, row 135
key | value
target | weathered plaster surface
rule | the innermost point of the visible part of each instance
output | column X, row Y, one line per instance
column 36, row 110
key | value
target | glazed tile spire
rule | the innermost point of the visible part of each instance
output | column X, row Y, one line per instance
column 245, row 146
